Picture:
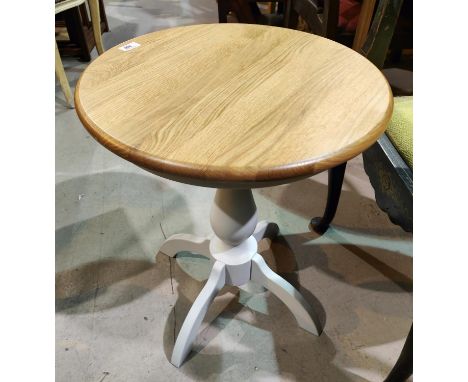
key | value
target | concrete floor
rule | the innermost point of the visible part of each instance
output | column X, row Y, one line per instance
column 119, row 305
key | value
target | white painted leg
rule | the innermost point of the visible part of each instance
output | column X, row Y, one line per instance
column 305, row 316
column 194, row 318
column 184, row 242
column 234, row 249
column 265, row 229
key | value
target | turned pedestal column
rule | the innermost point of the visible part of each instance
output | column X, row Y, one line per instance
column 233, row 249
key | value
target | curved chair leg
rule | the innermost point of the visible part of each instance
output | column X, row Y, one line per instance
column 194, row 318
column 403, row 368
column 60, row 72
column 184, row 242
column 96, row 21
column 335, row 182
column 265, row 229
column 305, row 316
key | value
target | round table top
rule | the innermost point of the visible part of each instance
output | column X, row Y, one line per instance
column 233, row 104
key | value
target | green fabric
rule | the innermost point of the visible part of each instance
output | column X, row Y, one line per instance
column 400, row 128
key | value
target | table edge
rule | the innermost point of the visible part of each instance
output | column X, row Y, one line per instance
column 228, row 176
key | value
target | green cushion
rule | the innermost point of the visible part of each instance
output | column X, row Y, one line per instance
column 400, row 128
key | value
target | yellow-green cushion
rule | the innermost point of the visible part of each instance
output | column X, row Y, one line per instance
column 400, row 128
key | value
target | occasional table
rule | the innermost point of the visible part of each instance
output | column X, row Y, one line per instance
column 233, row 106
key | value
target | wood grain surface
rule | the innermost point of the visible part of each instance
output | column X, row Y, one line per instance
column 234, row 104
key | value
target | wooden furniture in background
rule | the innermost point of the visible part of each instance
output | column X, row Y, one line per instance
column 375, row 49
column 390, row 176
column 365, row 18
column 145, row 105
column 392, row 179
column 74, row 32
column 400, row 78
column 321, row 18
column 61, row 6
column 248, row 12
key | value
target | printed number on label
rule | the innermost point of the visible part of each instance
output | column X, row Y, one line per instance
column 129, row 46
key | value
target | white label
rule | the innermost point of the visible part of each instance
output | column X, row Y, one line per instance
column 129, row 46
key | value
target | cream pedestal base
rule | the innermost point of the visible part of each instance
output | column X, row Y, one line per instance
column 236, row 261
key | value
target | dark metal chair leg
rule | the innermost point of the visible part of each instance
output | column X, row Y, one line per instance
column 335, row 181
column 403, row 368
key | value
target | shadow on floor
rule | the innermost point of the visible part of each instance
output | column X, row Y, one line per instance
column 102, row 263
column 372, row 238
column 382, row 249
column 99, row 248
column 297, row 352
column 325, row 254
column 307, row 198
column 120, row 31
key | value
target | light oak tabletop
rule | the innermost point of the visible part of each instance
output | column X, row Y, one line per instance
column 233, row 104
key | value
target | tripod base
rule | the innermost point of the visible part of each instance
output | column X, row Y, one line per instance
column 234, row 265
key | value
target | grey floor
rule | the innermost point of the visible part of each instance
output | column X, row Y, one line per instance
column 119, row 304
